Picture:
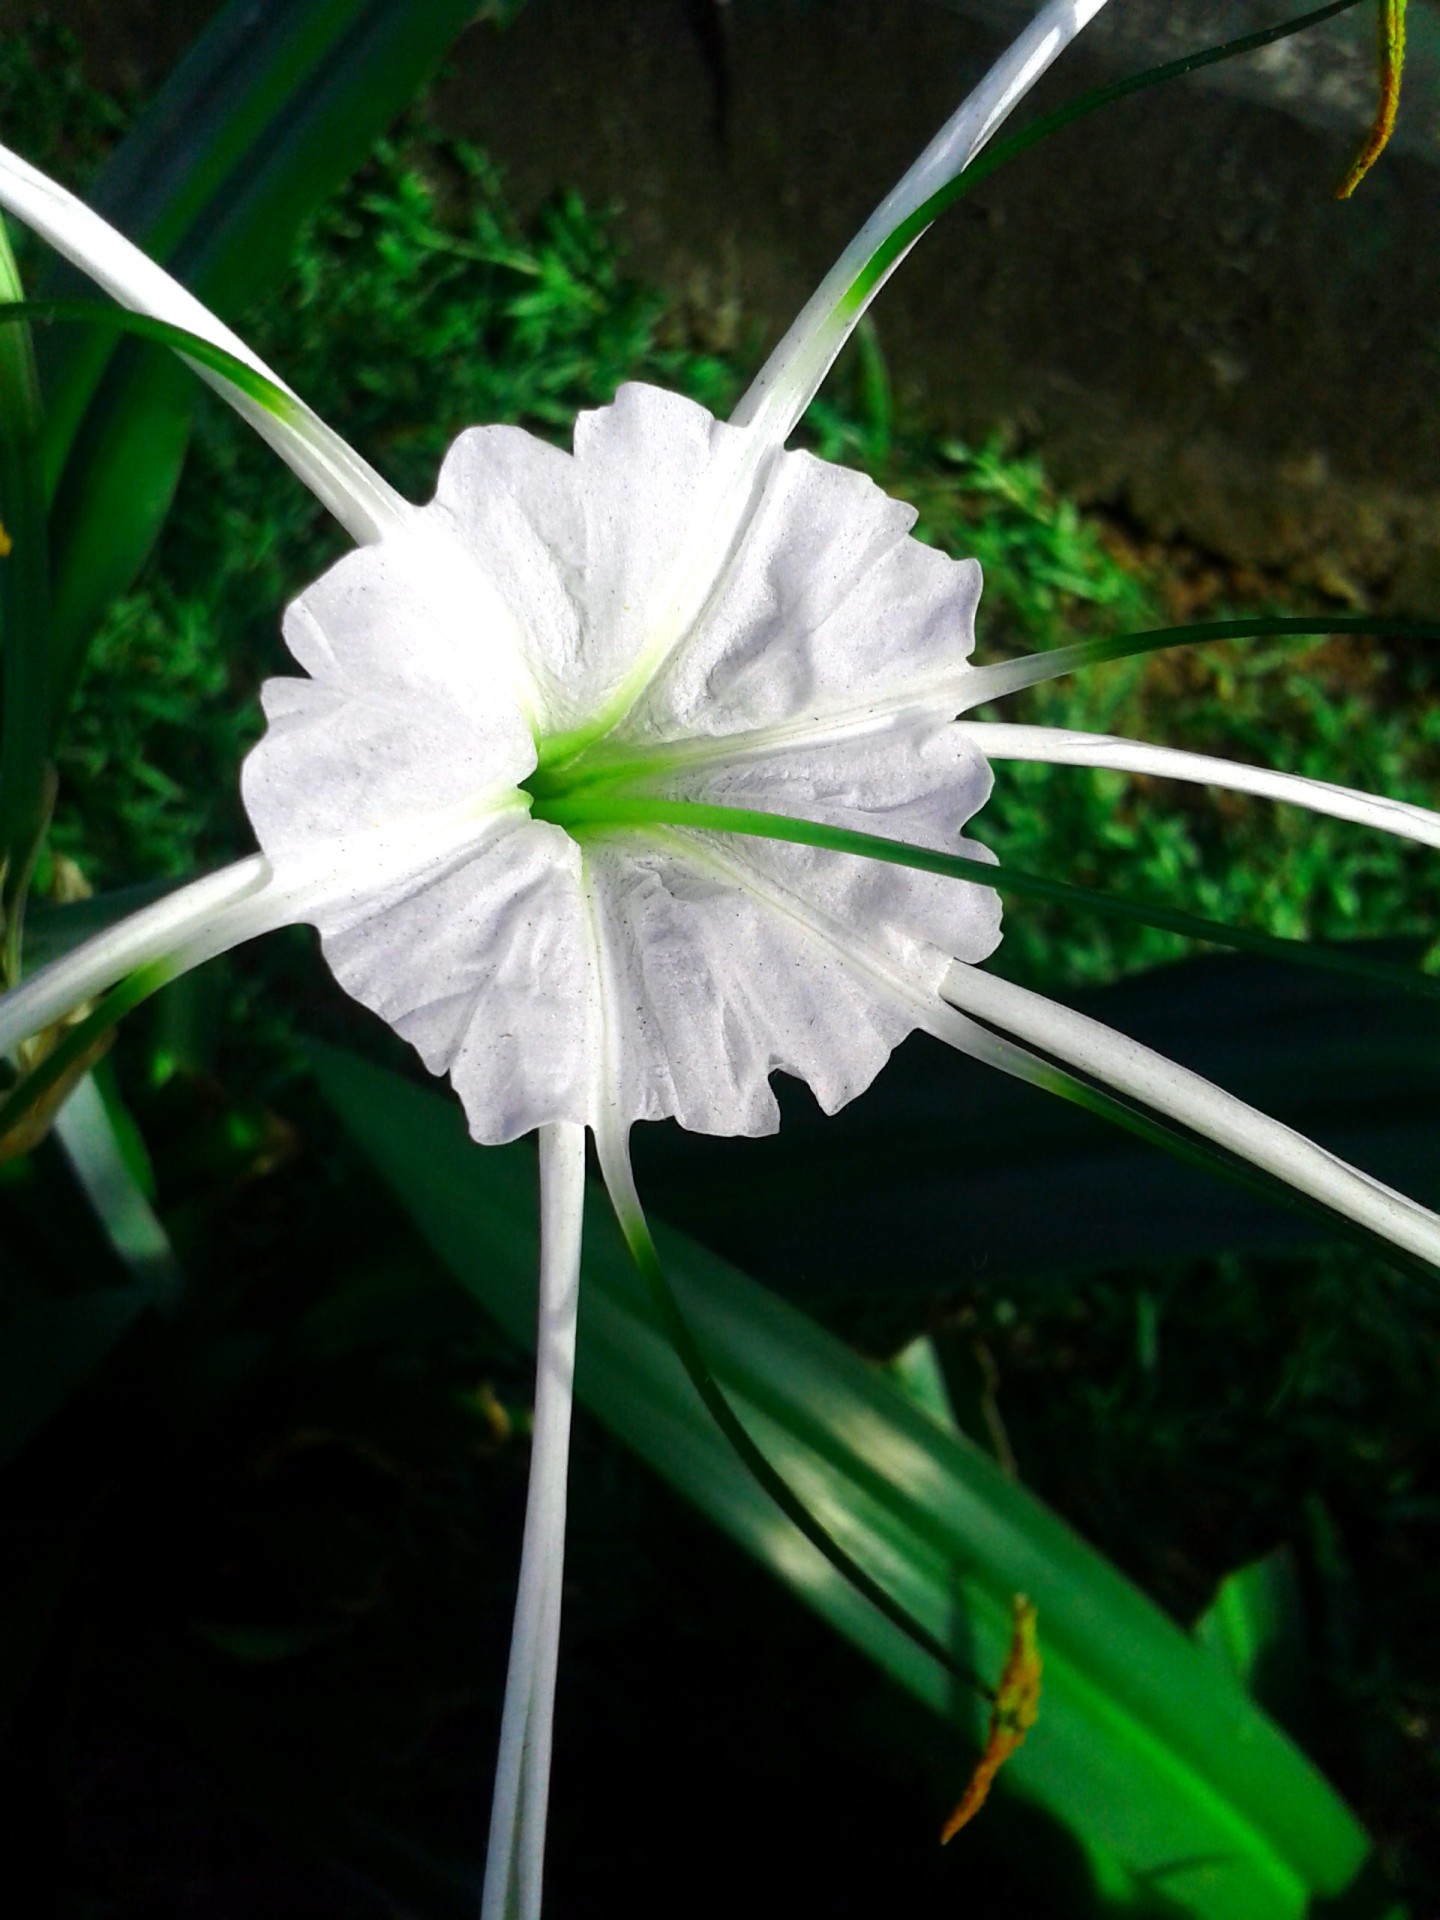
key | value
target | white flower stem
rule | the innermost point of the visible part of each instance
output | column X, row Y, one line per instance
column 364, row 503
column 515, row 1860
column 1061, row 746
column 1165, row 1088
column 790, row 378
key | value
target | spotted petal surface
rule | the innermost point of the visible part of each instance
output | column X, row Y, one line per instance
column 655, row 973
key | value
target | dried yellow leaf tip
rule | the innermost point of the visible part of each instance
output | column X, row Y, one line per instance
column 1016, row 1709
column 1392, row 60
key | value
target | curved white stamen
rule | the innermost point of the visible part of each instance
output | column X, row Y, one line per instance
column 365, row 505
column 1119, row 1062
column 1166, row 1088
column 790, row 378
column 1064, row 747
column 149, row 934
column 515, row 1859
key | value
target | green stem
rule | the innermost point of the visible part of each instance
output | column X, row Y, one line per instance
column 687, row 1348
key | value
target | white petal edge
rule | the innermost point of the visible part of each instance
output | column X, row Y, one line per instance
column 791, row 377
column 1060, row 746
column 514, row 1861
column 239, row 903
column 365, row 504
column 1165, row 1088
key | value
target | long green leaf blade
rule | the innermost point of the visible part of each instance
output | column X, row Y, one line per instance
column 1147, row 1750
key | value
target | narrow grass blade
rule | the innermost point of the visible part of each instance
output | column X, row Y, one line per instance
column 87, row 1132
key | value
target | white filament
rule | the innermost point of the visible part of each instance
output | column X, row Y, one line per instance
column 364, row 504
column 1166, row 1088
column 1062, row 746
column 791, row 377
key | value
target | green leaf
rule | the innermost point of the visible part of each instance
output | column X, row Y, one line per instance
column 275, row 104
column 1147, row 1749
column 108, row 1159
column 1256, row 1626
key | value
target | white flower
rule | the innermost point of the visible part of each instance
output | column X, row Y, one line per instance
column 677, row 615
column 635, row 973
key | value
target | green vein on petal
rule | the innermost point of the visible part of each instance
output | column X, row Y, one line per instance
column 598, row 811
column 99, row 313
column 995, row 156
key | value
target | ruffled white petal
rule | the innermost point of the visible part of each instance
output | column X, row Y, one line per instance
column 515, row 506
column 330, row 763
column 834, row 610
column 606, row 554
column 707, row 989
column 662, row 595
column 1061, row 746
column 364, row 504
column 918, row 781
column 482, row 962
column 416, row 621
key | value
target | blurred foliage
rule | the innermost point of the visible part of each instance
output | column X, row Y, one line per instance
column 281, row 1510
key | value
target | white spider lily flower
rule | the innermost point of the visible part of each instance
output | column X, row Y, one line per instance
column 678, row 610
